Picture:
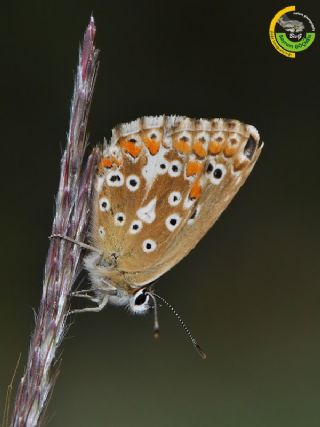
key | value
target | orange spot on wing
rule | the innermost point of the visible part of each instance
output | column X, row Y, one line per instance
column 130, row 147
column 193, row 168
column 229, row 151
column 196, row 189
column 181, row 146
column 152, row 145
column 107, row 162
column 215, row 147
column 199, row 149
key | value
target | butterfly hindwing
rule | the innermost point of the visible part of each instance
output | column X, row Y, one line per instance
column 163, row 182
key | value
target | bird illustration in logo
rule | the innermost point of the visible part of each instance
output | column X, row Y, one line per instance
column 291, row 25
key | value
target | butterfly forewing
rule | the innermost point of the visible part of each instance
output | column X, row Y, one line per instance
column 162, row 183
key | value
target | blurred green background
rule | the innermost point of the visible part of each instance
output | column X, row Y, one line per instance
column 250, row 291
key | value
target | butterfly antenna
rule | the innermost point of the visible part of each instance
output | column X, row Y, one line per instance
column 156, row 326
column 185, row 327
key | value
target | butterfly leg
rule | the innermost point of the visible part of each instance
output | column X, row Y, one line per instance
column 76, row 242
column 84, row 294
column 109, row 287
column 101, row 304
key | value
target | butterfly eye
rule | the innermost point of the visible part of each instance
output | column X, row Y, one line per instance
column 139, row 303
column 133, row 182
column 104, row 204
column 174, row 198
column 141, row 298
column 175, row 168
column 173, row 221
column 120, row 219
column 115, row 179
column 135, row 227
column 149, row 245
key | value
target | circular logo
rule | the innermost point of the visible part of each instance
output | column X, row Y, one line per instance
column 291, row 32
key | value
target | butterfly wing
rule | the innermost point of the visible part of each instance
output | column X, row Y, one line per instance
column 163, row 182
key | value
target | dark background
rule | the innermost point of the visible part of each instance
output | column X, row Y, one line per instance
column 250, row 291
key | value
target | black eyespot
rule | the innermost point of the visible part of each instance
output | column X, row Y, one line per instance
column 120, row 218
column 132, row 140
column 163, row 166
column 135, row 226
column 217, row 173
column 133, row 182
column 175, row 168
column 175, row 198
column 153, row 136
column 210, row 167
column 115, row 178
column 148, row 246
column 250, row 148
column 141, row 299
column 173, row 221
column 104, row 204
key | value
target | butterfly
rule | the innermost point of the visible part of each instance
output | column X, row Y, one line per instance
column 161, row 183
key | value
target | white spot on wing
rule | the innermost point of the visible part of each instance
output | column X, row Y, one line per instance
column 173, row 221
column 135, row 227
column 149, row 245
column 115, row 179
column 148, row 212
column 152, row 168
column 104, row 204
column 162, row 167
column 175, row 168
column 218, row 174
column 119, row 219
column 133, row 182
column 174, row 198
